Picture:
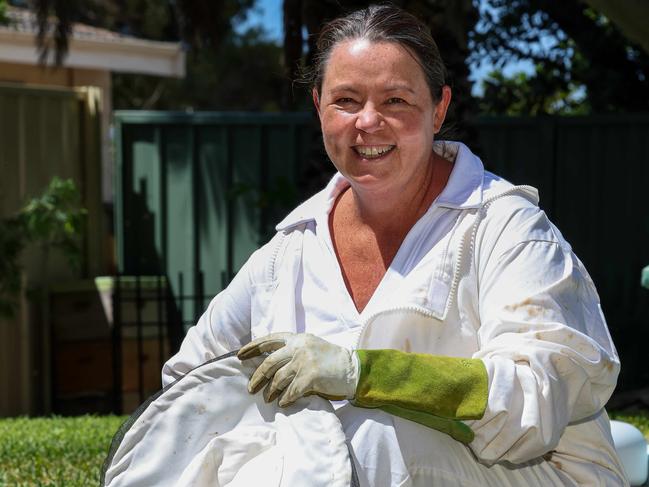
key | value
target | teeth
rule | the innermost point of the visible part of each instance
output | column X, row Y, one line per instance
column 374, row 151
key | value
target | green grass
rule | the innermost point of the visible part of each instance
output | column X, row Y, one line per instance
column 55, row 451
column 69, row 452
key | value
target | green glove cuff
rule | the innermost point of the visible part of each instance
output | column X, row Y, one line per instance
column 456, row 429
column 429, row 389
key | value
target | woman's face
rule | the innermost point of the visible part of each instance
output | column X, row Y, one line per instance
column 378, row 117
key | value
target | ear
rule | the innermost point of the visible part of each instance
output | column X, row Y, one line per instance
column 441, row 108
column 316, row 100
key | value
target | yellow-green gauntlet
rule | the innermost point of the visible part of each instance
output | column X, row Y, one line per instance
column 436, row 391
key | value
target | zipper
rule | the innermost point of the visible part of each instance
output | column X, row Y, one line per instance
column 272, row 273
column 480, row 215
column 458, row 264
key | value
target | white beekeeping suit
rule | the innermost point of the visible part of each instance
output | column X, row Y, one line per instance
column 483, row 275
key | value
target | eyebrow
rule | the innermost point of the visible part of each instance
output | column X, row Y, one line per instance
column 351, row 89
column 344, row 87
column 400, row 87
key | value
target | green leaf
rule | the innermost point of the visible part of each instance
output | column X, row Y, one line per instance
column 54, row 219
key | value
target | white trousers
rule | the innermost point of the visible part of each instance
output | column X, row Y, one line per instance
column 394, row 452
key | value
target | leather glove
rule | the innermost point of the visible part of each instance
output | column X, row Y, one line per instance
column 300, row 365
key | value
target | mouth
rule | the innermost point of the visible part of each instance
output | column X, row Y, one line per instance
column 373, row 151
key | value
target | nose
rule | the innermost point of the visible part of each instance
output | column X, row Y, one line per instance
column 369, row 119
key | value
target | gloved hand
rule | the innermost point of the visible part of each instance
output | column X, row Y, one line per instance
column 300, row 365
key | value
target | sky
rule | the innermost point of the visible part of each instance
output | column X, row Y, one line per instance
column 268, row 15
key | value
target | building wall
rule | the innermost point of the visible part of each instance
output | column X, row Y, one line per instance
column 70, row 78
column 44, row 133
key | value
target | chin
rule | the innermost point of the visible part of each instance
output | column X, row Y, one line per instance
column 367, row 181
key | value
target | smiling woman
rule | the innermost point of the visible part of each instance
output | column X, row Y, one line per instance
column 433, row 297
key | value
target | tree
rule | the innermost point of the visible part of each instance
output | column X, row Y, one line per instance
column 3, row 12
column 523, row 94
column 213, row 49
column 573, row 47
column 200, row 22
column 243, row 73
column 629, row 15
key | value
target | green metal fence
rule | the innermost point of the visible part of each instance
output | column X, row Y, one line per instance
column 199, row 192
column 593, row 177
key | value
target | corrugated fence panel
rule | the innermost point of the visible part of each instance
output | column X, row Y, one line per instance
column 180, row 236
column 198, row 193
column 212, row 187
column 522, row 150
column 141, row 197
column 603, row 173
column 248, row 159
column 593, row 175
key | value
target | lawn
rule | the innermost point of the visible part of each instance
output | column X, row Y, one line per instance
column 69, row 452
column 65, row 452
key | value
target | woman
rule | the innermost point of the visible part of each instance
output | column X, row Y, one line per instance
column 420, row 286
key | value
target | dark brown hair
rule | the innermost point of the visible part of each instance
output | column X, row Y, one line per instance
column 382, row 23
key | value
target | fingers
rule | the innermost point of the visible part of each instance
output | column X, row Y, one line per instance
column 292, row 393
column 265, row 344
column 268, row 368
column 282, row 378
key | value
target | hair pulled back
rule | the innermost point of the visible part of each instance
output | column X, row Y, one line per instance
column 382, row 23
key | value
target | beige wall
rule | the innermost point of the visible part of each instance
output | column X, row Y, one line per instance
column 69, row 78
column 44, row 133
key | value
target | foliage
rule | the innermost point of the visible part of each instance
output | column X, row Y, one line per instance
column 522, row 94
column 54, row 220
column 575, row 51
column 199, row 22
column 55, row 451
column 243, row 73
column 584, row 64
column 261, row 80
column 3, row 12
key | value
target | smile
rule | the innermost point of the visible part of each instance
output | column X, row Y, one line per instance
column 373, row 151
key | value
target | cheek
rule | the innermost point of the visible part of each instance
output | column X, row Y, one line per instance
column 335, row 126
column 413, row 127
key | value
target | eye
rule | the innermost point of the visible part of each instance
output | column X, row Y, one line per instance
column 344, row 100
column 395, row 100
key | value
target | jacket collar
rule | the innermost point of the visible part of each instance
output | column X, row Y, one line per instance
column 319, row 203
column 463, row 189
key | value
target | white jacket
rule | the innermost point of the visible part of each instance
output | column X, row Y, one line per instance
column 483, row 274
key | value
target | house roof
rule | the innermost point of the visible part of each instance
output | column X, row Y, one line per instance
column 92, row 48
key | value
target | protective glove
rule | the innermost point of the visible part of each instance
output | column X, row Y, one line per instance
column 300, row 365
